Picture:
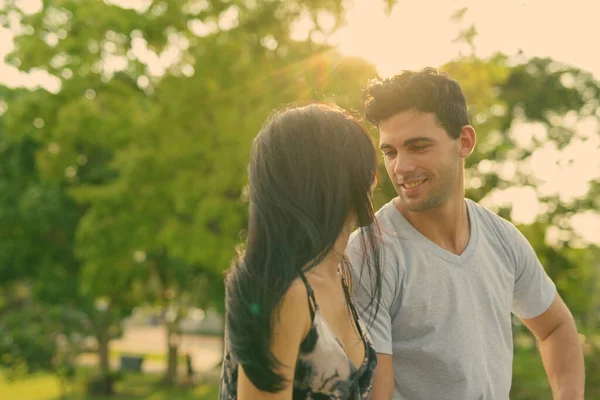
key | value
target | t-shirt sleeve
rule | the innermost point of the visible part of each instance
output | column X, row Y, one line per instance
column 534, row 291
column 379, row 328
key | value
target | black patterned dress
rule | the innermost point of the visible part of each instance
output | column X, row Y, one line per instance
column 324, row 371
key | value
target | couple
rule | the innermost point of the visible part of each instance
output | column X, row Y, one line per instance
column 415, row 304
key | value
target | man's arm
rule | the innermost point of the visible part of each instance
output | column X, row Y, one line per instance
column 561, row 350
column 383, row 383
column 537, row 303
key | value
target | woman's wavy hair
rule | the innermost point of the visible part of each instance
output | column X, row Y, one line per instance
column 311, row 168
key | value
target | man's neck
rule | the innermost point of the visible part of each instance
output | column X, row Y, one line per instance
column 448, row 226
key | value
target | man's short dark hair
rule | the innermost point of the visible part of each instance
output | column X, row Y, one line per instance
column 427, row 91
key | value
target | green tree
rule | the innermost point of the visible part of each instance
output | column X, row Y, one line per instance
column 40, row 323
column 155, row 156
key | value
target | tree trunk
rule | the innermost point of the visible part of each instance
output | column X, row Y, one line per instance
column 103, row 351
column 102, row 385
column 173, row 346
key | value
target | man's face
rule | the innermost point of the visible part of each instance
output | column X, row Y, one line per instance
column 421, row 159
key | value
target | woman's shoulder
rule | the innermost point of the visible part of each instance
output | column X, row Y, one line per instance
column 293, row 312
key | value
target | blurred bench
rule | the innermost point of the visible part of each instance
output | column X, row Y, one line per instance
column 131, row 363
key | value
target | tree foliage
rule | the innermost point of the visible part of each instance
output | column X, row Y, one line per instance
column 124, row 183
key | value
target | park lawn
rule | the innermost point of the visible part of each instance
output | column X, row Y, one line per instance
column 114, row 354
column 132, row 387
column 147, row 356
column 40, row 386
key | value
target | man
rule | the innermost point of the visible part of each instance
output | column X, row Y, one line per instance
column 453, row 270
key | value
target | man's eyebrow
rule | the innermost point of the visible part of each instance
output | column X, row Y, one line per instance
column 408, row 142
column 419, row 139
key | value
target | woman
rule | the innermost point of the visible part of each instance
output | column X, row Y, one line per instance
column 292, row 331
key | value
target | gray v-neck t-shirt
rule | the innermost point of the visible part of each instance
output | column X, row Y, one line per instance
column 446, row 318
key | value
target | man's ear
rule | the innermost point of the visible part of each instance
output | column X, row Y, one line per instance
column 467, row 141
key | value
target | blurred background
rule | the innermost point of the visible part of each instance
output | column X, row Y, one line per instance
column 125, row 129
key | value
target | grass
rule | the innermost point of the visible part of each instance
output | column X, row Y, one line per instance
column 132, row 387
column 115, row 355
column 38, row 387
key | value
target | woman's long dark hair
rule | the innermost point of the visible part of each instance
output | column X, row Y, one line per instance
column 311, row 168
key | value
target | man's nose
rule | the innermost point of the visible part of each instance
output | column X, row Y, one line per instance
column 404, row 165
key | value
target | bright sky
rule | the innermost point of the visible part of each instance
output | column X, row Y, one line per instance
column 419, row 33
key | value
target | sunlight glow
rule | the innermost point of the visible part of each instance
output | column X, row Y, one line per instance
column 411, row 38
column 137, row 5
column 587, row 224
column 29, row 6
column 419, row 33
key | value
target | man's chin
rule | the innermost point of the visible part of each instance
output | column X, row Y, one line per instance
column 416, row 208
column 413, row 205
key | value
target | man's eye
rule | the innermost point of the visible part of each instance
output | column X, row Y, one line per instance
column 419, row 148
column 388, row 153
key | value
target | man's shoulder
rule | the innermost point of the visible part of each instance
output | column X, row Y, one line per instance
column 499, row 230
column 384, row 218
column 489, row 220
column 390, row 239
column 387, row 218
